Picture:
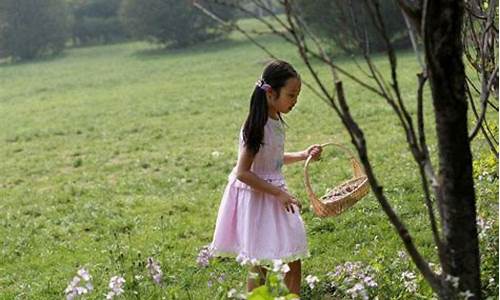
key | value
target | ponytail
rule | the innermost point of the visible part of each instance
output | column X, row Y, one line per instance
column 253, row 130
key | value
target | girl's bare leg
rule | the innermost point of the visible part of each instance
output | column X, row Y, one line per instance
column 293, row 277
column 253, row 283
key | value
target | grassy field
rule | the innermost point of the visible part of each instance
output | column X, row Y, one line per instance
column 112, row 154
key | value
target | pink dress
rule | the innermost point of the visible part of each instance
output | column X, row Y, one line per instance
column 253, row 224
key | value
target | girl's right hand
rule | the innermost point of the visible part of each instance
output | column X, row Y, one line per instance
column 288, row 201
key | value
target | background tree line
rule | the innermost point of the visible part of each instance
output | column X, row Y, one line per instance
column 31, row 28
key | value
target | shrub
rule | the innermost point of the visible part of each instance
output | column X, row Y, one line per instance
column 170, row 22
column 31, row 28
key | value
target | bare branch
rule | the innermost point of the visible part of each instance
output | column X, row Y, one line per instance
column 413, row 39
column 413, row 9
column 358, row 141
column 255, row 42
column 486, row 132
column 302, row 51
column 307, row 50
column 360, row 144
column 484, row 96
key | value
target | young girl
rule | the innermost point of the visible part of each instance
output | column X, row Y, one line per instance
column 258, row 218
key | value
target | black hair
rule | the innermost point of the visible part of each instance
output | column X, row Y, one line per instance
column 276, row 73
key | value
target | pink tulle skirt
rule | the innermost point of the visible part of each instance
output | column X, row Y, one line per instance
column 254, row 225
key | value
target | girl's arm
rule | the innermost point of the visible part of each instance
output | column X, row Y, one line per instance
column 246, row 176
column 291, row 157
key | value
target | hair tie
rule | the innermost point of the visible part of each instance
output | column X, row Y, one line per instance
column 263, row 85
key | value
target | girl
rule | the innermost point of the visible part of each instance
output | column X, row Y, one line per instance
column 258, row 218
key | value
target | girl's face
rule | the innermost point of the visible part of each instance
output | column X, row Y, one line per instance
column 287, row 97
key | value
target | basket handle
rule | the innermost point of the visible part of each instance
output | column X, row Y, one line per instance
column 307, row 181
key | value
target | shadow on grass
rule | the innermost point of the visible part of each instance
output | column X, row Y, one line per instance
column 8, row 62
column 161, row 51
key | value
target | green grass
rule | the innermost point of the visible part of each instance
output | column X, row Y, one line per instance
column 107, row 159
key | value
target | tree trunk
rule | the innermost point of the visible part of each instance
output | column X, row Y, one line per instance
column 456, row 199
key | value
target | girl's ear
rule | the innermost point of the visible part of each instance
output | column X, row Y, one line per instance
column 270, row 93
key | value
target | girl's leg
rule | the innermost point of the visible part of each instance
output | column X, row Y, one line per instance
column 253, row 283
column 293, row 277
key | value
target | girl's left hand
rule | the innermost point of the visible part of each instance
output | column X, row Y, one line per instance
column 314, row 151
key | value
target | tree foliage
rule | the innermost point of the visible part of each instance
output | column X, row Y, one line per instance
column 96, row 21
column 31, row 28
column 347, row 24
column 170, row 22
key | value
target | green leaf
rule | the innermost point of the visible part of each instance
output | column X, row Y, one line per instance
column 260, row 293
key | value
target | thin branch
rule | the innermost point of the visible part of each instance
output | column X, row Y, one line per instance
column 425, row 165
column 302, row 52
column 484, row 96
column 255, row 42
column 487, row 135
column 320, row 48
column 360, row 144
column 413, row 40
column 307, row 50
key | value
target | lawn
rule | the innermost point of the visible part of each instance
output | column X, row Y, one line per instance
column 112, row 154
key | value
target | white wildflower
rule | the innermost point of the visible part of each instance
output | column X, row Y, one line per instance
column 155, row 271
column 409, row 281
column 115, row 285
column 204, row 256
column 311, row 281
column 74, row 289
column 280, row 267
column 243, row 260
column 84, row 274
column 454, row 280
column 358, row 290
column 253, row 275
column 467, row 294
column 232, row 293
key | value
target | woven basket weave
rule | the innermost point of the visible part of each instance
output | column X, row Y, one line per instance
column 341, row 197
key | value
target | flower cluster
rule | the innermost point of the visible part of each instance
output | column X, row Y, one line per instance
column 356, row 278
column 409, row 281
column 204, row 256
column 214, row 277
column 244, row 260
column 483, row 226
column 402, row 255
column 311, row 281
column 81, row 284
column 280, row 267
column 453, row 280
column 116, row 287
column 75, row 288
column 486, row 176
column 466, row 295
column 154, row 270
column 233, row 294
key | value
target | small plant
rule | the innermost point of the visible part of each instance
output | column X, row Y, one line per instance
column 354, row 280
column 116, row 284
column 273, row 288
column 75, row 287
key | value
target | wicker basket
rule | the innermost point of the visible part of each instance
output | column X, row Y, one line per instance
column 339, row 198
